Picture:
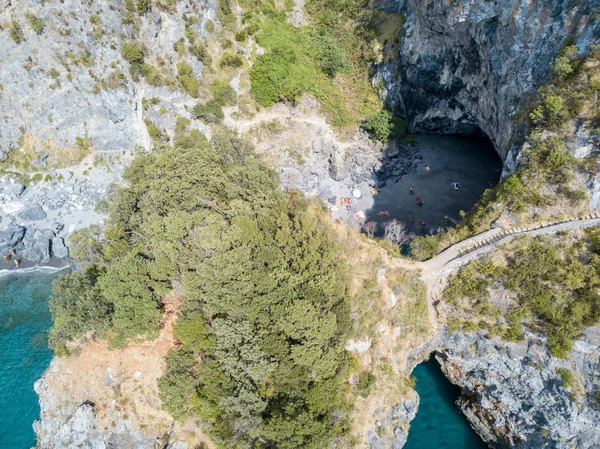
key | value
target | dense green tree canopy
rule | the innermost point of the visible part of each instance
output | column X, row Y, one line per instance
column 261, row 329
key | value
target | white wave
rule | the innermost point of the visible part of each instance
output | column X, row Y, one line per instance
column 36, row 269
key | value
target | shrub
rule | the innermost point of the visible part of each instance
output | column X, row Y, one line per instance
column 143, row 6
column 154, row 132
column 186, row 79
column 562, row 67
column 209, row 112
column 152, row 75
column 366, row 381
column 379, row 125
column 199, row 51
column 133, row 52
column 568, row 378
column 550, row 112
column 329, row 58
column 36, row 23
column 16, row 32
column 179, row 47
column 232, row 60
column 550, row 159
column 223, row 93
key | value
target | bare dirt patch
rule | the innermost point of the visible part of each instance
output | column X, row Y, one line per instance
column 123, row 384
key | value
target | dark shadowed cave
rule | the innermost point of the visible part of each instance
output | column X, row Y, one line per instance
column 470, row 161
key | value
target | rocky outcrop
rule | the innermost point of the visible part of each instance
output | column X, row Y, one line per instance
column 67, row 84
column 514, row 397
column 38, row 217
column 399, row 417
column 103, row 398
column 468, row 66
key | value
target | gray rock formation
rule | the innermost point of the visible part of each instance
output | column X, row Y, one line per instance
column 55, row 86
column 37, row 246
column 514, row 397
column 10, row 237
column 32, row 213
column 59, row 249
column 399, row 417
column 465, row 66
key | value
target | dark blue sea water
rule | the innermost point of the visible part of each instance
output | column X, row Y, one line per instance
column 438, row 423
column 24, row 353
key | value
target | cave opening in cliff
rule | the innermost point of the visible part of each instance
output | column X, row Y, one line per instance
column 438, row 422
column 426, row 183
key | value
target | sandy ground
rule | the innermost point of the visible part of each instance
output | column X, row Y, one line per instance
column 471, row 162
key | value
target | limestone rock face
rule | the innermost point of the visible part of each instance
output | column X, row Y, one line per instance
column 59, row 249
column 74, row 111
column 465, row 66
column 69, row 83
column 514, row 397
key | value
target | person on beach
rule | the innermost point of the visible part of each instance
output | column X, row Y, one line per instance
column 428, row 168
column 6, row 258
column 16, row 261
column 417, row 198
column 411, row 191
column 420, row 203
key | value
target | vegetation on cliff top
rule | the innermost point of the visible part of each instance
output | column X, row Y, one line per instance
column 329, row 58
column 265, row 312
column 553, row 284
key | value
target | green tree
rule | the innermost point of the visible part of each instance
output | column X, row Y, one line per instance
column 78, row 309
column 379, row 125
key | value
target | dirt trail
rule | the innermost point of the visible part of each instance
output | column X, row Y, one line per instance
column 279, row 112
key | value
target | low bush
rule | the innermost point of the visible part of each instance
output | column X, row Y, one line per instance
column 379, row 125
column 16, row 32
column 133, row 52
column 36, row 23
column 186, row 79
column 209, row 112
column 223, row 93
column 231, row 60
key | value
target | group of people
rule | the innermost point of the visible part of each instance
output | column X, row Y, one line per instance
column 417, row 197
column 421, row 223
column 419, row 203
column 12, row 257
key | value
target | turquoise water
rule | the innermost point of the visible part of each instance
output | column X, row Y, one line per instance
column 24, row 353
column 438, row 423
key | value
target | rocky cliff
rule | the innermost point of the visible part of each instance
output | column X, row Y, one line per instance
column 462, row 67
column 467, row 66
column 514, row 395
column 72, row 110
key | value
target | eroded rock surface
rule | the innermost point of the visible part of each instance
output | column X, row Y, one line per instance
column 514, row 396
column 465, row 66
